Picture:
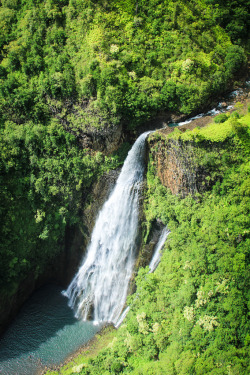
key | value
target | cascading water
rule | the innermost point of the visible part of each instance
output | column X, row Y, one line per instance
column 157, row 253
column 152, row 267
column 100, row 287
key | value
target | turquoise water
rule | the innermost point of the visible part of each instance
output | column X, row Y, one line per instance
column 45, row 332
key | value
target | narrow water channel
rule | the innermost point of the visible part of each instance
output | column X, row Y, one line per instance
column 45, row 332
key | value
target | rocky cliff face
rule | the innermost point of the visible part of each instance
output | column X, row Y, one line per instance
column 175, row 170
column 176, row 161
column 87, row 124
column 176, row 165
column 106, row 140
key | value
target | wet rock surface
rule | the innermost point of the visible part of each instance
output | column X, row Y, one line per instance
column 100, row 191
column 147, row 250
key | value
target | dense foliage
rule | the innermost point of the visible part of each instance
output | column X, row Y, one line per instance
column 116, row 60
column 191, row 316
column 44, row 178
column 233, row 16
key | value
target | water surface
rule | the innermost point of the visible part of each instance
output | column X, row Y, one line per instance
column 45, row 332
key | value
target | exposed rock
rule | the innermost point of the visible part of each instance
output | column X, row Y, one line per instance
column 98, row 196
column 106, row 140
column 175, row 166
column 86, row 122
column 175, row 160
column 160, row 121
column 147, row 250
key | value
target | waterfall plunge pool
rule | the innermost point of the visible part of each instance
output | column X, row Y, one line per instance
column 45, row 332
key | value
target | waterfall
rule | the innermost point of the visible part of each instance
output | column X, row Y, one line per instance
column 122, row 317
column 157, row 253
column 152, row 267
column 99, row 289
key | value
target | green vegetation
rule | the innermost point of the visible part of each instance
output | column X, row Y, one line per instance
column 220, row 118
column 191, row 316
column 45, row 177
column 235, row 124
column 94, row 63
column 233, row 16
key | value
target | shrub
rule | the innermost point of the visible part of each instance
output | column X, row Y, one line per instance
column 116, row 367
column 235, row 114
column 235, row 58
column 222, row 117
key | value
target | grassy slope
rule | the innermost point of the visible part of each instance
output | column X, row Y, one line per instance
column 191, row 315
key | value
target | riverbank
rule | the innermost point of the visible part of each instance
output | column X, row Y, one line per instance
column 87, row 351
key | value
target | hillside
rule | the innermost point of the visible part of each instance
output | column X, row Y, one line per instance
column 94, row 64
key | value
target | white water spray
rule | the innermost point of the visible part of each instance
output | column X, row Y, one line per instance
column 157, row 253
column 100, row 287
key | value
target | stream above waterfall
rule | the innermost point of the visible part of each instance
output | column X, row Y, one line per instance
column 223, row 106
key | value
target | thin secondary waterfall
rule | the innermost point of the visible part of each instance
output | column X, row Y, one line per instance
column 157, row 253
column 152, row 267
column 99, row 289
